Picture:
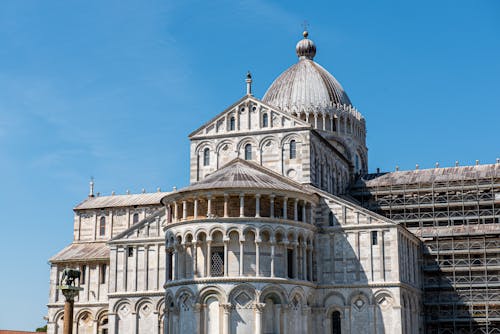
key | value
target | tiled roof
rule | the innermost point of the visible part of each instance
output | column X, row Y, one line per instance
column 121, row 200
column 431, row 175
column 82, row 251
column 243, row 174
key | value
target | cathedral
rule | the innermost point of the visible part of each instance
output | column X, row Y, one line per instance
column 282, row 230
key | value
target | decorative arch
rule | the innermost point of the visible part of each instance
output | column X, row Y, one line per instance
column 202, row 145
column 273, row 289
column 335, row 297
column 209, row 291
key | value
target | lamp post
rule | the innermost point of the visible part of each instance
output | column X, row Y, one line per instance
column 70, row 291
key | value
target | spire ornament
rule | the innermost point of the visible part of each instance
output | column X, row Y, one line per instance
column 249, row 83
column 305, row 49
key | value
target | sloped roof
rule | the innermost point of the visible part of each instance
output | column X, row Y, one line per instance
column 121, row 200
column 82, row 251
column 244, row 174
column 431, row 175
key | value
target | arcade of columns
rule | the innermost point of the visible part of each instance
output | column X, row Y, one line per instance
column 277, row 229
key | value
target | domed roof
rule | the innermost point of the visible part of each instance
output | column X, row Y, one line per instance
column 306, row 85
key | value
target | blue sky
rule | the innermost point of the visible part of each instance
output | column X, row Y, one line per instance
column 111, row 89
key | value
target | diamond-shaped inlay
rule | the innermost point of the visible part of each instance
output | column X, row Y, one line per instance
column 146, row 309
column 243, row 299
column 124, row 310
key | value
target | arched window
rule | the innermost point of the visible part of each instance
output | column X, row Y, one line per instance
column 135, row 218
column 330, row 219
column 248, row 152
column 206, row 157
column 293, row 149
column 265, row 121
column 336, row 328
column 102, row 226
column 232, row 124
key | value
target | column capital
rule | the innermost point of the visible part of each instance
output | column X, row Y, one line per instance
column 259, row 307
column 257, row 195
column 227, row 307
column 197, row 307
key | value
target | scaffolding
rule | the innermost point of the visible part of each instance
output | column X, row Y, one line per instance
column 456, row 214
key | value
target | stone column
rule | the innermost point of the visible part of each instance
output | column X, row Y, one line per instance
column 208, row 258
column 306, row 319
column 184, row 210
column 176, row 212
column 195, row 258
column 285, row 257
column 226, row 199
column 310, row 256
column 257, row 256
column 69, row 292
column 273, row 247
column 195, row 209
column 284, row 316
column 312, row 213
column 285, row 207
column 209, row 206
column 296, row 209
column 197, row 318
column 242, row 205
column 226, row 264
column 258, row 307
column 272, row 206
column 315, row 120
column 175, row 263
column 304, row 260
column 257, row 205
column 169, row 215
column 226, row 308
column 295, row 260
column 241, row 256
column 304, row 220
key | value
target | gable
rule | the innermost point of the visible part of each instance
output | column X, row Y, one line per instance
column 347, row 214
column 149, row 227
column 248, row 115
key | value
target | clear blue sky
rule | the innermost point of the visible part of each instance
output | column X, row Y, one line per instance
column 111, row 89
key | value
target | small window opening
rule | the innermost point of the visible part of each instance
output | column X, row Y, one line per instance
column 130, row 251
column 103, row 274
column 83, row 274
column 330, row 219
column 248, row 152
column 206, row 157
column 102, row 226
column 135, row 218
column 293, row 149
column 170, row 265
column 217, row 265
column 374, row 238
column 232, row 123
column 290, row 263
column 336, row 326
column 265, row 121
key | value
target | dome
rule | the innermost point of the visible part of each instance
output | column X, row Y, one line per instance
column 306, row 85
